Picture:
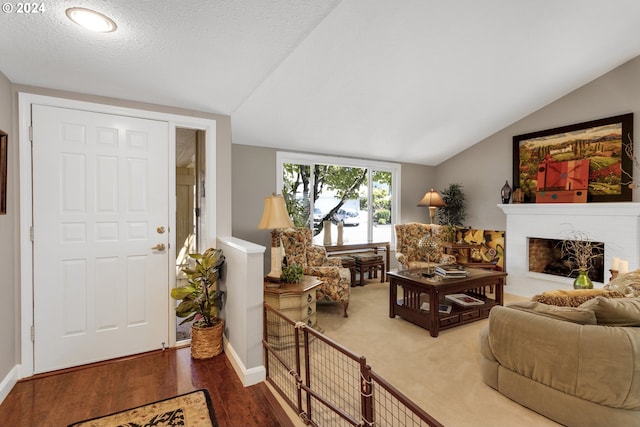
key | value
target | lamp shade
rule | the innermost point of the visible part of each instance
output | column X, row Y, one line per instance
column 275, row 213
column 432, row 198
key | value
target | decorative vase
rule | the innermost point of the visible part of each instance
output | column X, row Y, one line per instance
column 505, row 192
column 582, row 281
column 327, row 233
column 340, row 233
column 518, row 197
column 206, row 342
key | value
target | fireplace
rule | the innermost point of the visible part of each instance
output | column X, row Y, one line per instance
column 546, row 256
column 615, row 225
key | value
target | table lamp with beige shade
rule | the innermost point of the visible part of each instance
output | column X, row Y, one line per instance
column 274, row 217
column 433, row 200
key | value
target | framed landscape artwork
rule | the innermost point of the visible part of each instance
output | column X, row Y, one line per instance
column 589, row 162
column 3, row 172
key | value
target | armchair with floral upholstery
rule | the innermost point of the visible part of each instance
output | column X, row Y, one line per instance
column 336, row 280
column 412, row 253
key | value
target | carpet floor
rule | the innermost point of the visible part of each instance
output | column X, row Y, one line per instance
column 441, row 375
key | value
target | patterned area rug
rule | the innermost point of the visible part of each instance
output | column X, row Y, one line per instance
column 192, row 409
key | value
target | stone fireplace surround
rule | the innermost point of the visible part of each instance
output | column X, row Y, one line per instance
column 615, row 224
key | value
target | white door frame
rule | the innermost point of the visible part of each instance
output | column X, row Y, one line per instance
column 25, row 100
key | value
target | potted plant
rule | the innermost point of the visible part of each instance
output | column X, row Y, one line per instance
column 292, row 273
column 454, row 213
column 200, row 301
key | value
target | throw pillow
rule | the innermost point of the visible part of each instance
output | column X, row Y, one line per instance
column 583, row 316
column 574, row 297
column 615, row 312
column 628, row 284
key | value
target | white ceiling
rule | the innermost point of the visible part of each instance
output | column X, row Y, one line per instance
column 400, row 80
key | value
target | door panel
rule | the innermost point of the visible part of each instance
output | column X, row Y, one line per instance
column 100, row 191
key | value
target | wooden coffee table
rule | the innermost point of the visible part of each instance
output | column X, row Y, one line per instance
column 486, row 285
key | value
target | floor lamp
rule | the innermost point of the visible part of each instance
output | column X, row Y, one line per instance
column 433, row 200
column 275, row 216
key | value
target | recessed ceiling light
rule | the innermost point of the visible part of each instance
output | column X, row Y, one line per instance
column 91, row 20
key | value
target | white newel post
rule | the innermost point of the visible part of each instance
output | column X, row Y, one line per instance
column 243, row 284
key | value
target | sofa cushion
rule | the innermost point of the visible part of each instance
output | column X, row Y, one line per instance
column 583, row 316
column 628, row 284
column 574, row 297
column 615, row 312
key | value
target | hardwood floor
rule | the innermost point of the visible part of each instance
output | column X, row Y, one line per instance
column 61, row 398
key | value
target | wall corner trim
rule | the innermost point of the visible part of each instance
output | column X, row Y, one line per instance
column 248, row 377
column 8, row 382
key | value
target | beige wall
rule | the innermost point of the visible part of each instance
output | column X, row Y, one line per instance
column 9, row 312
column 253, row 176
column 416, row 180
column 483, row 168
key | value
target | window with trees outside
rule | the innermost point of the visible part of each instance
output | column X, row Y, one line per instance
column 362, row 194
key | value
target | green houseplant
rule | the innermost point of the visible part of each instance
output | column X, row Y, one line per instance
column 454, row 213
column 292, row 273
column 200, row 299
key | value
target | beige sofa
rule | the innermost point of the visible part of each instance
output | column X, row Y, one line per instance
column 579, row 366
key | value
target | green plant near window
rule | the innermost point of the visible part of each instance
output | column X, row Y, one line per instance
column 200, row 299
column 454, row 213
column 292, row 273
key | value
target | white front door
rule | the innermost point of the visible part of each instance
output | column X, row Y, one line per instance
column 100, row 216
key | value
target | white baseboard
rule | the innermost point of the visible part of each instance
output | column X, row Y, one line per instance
column 8, row 382
column 247, row 376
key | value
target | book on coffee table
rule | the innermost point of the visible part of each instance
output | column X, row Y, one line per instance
column 451, row 271
column 442, row 308
column 463, row 300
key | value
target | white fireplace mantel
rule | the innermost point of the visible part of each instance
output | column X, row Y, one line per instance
column 615, row 224
column 589, row 209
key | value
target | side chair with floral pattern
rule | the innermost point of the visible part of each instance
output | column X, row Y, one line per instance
column 336, row 280
column 410, row 253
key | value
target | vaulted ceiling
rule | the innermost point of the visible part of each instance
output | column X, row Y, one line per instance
column 399, row 80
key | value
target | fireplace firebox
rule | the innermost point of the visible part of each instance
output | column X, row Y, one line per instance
column 546, row 256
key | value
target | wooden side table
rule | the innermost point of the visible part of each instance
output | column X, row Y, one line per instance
column 369, row 263
column 350, row 263
column 297, row 301
column 351, row 248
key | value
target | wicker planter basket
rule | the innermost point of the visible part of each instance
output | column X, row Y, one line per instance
column 206, row 342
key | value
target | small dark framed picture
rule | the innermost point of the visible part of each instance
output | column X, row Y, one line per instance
column 3, row 172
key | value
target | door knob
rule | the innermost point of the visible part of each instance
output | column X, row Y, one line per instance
column 159, row 247
column 160, row 230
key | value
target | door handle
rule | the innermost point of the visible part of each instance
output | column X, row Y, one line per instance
column 159, row 247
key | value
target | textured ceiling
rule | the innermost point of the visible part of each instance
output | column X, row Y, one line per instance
column 402, row 80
